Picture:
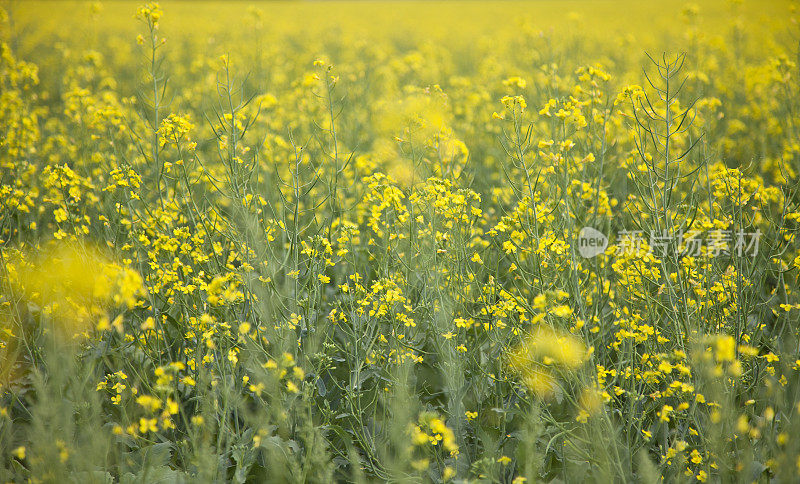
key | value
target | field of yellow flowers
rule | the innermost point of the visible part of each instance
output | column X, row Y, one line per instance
column 513, row 242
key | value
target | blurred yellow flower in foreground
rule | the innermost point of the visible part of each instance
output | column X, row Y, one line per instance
column 75, row 285
column 541, row 353
column 589, row 403
column 551, row 348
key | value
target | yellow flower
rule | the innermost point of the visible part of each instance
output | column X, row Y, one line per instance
column 77, row 285
column 148, row 323
column 148, row 425
column 590, row 402
column 561, row 348
column 448, row 473
column 725, row 348
column 515, row 81
column 665, row 412
column 742, row 424
column 150, row 12
column 562, row 311
column 148, row 402
column 420, row 464
column 172, row 406
column 545, row 111
column 541, row 382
